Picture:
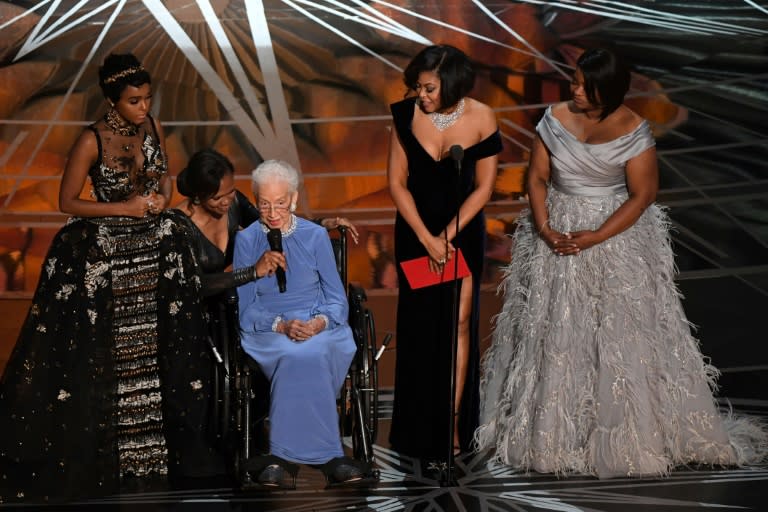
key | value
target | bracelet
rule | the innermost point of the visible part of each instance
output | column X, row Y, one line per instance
column 244, row 275
column 543, row 225
column 324, row 318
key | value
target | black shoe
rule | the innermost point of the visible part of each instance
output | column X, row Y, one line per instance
column 345, row 471
column 273, row 472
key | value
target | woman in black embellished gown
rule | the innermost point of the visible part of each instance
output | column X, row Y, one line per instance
column 101, row 390
column 424, row 185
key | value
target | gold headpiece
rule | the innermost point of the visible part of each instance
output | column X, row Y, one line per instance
column 121, row 74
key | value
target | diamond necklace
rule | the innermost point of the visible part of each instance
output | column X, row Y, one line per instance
column 445, row 121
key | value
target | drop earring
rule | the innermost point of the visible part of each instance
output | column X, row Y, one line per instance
column 293, row 207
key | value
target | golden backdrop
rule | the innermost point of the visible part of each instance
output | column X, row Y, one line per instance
column 309, row 82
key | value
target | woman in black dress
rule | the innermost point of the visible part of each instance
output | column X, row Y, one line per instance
column 424, row 185
column 102, row 387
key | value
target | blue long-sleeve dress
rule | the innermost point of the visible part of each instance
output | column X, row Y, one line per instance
column 305, row 377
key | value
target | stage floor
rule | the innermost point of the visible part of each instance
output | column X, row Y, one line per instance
column 405, row 484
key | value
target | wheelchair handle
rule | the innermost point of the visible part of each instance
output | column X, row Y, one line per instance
column 383, row 346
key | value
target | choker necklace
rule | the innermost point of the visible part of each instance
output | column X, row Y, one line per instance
column 445, row 121
column 119, row 125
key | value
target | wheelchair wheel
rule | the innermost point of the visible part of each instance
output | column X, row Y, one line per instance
column 345, row 406
column 222, row 412
column 364, row 394
column 371, row 383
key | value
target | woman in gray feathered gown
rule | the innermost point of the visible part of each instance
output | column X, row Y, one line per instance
column 593, row 368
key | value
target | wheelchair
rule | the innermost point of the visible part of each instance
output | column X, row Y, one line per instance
column 239, row 407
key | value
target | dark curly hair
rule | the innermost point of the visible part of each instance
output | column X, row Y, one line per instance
column 457, row 76
column 202, row 176
column 120, row 71
column 606, row 79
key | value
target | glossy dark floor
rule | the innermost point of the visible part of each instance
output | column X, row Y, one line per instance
column 480, row 485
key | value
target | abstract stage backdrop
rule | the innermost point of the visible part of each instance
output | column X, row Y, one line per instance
column 310, row 82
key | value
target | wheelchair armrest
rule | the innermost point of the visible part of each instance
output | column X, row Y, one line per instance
column 339, row 245
column 230, row 296
column 356, row 295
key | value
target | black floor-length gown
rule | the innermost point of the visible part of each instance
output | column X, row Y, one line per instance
column 421, row 415
column 220, row 306
column 105, row 386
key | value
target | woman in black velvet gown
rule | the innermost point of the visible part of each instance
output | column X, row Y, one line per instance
column 215, row 211
column 424, row 185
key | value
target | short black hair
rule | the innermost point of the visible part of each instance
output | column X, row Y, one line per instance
column 118, row 72
column 606, row 79
column 202, row 176
column 457, row 75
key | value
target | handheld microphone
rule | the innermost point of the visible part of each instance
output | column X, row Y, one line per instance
column 275, row 238
column 457, row 154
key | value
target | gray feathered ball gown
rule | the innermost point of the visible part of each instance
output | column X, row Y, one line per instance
column 593, row 368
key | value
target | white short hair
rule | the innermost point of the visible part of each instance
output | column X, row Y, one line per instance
column 276, row 169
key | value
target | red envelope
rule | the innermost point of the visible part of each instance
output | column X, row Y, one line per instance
column 419, row 275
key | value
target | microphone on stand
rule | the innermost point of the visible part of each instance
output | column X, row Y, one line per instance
column 457, row 154
column 447, row 479
column 275, row 238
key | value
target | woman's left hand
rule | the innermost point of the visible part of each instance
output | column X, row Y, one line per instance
column 298, row 330
column 580, row 240
column 335, row 222
column 157, row 203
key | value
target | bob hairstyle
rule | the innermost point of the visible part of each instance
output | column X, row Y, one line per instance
column 275, row 170
column 606, row 79
column 118, row 72
column 452, row 66
column 202, row 177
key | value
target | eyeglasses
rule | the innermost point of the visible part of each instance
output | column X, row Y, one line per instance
column 268, row 208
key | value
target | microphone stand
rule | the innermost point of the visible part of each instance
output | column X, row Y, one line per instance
column 448, row 480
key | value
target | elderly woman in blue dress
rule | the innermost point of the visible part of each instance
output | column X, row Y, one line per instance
column 300, row 337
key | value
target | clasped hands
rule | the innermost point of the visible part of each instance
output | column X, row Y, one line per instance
column 569, row 243
column 140, row 206
column 440, row 252
column 299, row 330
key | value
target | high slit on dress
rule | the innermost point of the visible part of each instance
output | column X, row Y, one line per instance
column 422, row 414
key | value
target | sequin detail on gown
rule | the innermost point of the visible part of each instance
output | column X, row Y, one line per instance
column 102, row 385
column 134, row 267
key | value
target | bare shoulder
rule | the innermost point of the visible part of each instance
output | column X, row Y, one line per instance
column 183, row 207
column 482, row 115
column 561, row 109
column 86, row 143
column 627, row 118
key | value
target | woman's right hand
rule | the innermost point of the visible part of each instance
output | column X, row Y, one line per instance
column 137, row 206
column 440, row 252
column 269, row 263
column 560, row 243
